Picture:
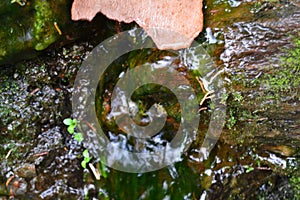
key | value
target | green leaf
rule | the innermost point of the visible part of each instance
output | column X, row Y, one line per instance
column 78, row 137
column 68, row 121
column 85, row 153
column 71, row 129
column 83, row 164
column 87, row 159
column 74, row 121
column 258, row 163
column 249, row 169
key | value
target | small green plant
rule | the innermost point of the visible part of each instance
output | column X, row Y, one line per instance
column 86, row 158
column 72, row 123
column 249, row 168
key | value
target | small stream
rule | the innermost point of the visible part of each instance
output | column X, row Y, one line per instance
column 250, row 58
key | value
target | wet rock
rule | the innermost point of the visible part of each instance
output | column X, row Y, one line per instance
column 264, row 84
column 16, row 186
column 35, row 99
column 175, row 23
column 280, row 149
column 256, row 43
column 26, row 170
column 46, row 143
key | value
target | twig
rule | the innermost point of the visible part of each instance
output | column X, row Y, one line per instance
column 95, row 171
column 34, row 91
column 206, row 96
column 203, row 108
column 201, row 85
column 8, row 154
column 264, row 168
column 57, row 28
column 9, row 180
column 41, row 154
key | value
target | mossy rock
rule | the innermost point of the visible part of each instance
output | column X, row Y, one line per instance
column 28, row 27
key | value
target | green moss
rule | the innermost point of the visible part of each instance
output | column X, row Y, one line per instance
column 31, row 27
column 286, row 78
column 43, row 27
column 236, row 113
column 231, row 121
column 278, row 85
column 237, row 96
column 295, row 184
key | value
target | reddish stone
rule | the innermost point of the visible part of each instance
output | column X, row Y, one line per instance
column 172, row 24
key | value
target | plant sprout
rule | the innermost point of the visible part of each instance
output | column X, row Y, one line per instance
column 72, row 123
column 86, row 158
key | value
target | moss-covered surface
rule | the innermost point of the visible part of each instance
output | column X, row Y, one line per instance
column 276, row 90
column 31, row 26
column 272, row 118
column 285, row 80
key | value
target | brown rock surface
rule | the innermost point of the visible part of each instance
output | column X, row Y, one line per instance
column 171, row 24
